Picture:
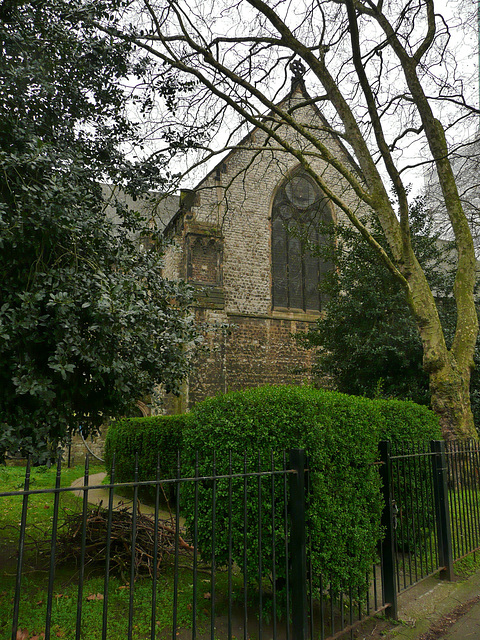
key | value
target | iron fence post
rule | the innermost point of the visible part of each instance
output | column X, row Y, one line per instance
column 445, row 551
column 298, row 581
column 388, row 542
column 21, row 550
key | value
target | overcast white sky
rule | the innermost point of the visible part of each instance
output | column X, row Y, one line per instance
column 462, row 18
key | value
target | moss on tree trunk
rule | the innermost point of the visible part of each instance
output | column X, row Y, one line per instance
column 450, row 389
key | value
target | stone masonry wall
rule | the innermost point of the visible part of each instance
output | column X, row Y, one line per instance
column 254, row 351
column 237, row 201
column 265, row 351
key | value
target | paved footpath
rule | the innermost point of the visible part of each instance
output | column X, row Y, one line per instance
column 466, row 627
column 439, row 610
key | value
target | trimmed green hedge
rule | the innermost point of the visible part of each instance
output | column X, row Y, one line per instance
column 149, row 437
column 405, row 420
column 341, row 435
column 339, row 432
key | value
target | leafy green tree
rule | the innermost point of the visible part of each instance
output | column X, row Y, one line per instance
column 367, row 340
column 87, row 322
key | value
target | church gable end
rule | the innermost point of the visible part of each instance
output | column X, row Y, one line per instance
column 246, row 240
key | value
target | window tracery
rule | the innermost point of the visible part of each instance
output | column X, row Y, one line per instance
column 299, row 209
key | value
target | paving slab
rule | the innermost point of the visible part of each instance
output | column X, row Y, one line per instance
column 467, row 626
column 437, row 610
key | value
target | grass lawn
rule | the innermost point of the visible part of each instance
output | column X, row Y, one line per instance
column 34, row 593
column 34, row 601
column 40, row 507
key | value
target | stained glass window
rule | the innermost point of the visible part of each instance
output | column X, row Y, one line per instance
column 299, row 209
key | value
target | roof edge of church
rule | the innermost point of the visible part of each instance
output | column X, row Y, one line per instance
column 297, row 85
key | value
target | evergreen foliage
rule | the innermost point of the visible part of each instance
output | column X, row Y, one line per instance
column 87, row 323
column 339, row 432
column 152, row 440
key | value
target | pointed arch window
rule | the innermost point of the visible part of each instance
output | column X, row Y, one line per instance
column 299, row 209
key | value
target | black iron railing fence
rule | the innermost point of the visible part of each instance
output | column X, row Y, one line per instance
column 433, row 503
column 463, row 479
column 256, row 581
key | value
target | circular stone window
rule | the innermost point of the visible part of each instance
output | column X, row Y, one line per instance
column 300, row 192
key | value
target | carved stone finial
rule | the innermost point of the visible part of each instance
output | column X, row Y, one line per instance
column 298, row 70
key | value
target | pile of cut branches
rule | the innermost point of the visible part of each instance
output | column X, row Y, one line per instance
column 69, row 541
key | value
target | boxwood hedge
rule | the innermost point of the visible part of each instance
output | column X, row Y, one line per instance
column 340, row 434
column 155, row 437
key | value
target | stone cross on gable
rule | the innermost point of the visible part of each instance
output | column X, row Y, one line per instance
column 298, row 72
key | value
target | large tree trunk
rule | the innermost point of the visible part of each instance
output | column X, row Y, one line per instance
column 450, row 389
column 449, row 369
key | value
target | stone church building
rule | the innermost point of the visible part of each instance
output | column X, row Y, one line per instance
column 242, row 238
